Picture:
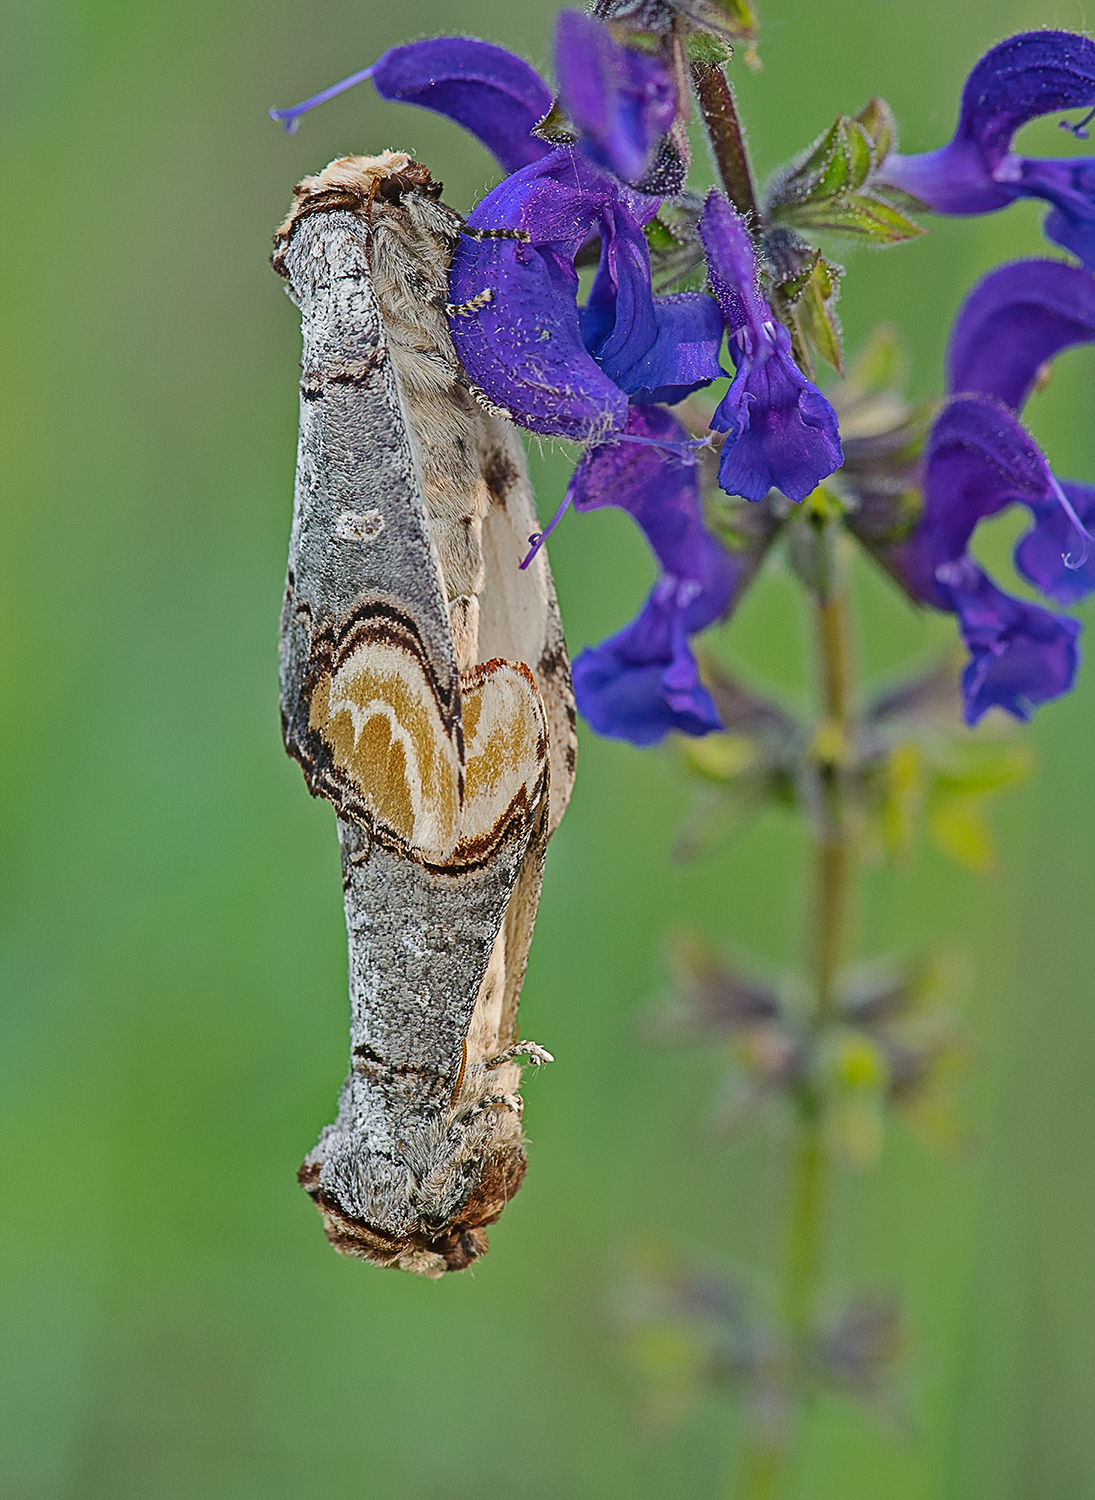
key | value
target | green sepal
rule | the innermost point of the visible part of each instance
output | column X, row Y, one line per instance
column 556, row 127
column 733, row 20
column 677, row 261
column 804, row 288
column 828, row 187
column 856, row 215
column 703, row 47
column 877, row 122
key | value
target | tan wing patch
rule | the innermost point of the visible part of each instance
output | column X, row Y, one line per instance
column 378, row 716
column 505, row 745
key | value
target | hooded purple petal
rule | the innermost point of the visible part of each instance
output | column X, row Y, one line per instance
column 663, row 347
column 1020, row 655
column 1040, row 555
column 643, row 681
column 781, row 431
column 491, row 92
column 978, row 459
column 1032, row 74
column 621, row 101
column 732, row 267
column 519, row 332
column 1014, row 320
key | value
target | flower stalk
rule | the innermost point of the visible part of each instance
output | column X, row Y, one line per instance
column 724, row 131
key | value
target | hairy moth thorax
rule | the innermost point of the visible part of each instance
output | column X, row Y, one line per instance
column 426, row 694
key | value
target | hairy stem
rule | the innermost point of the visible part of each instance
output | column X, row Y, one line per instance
column 809, row 1167
column 724, row 129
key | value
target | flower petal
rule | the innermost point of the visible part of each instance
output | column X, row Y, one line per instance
column 491, row 92
column 732, row 266
column 1069, row 184
column 1014, row 320
column 1032, row 74
column 656, row 349
column 660, row 488
column 1021, row 655
column 781, row 431
column 1040, row 555
column 621, row 101
column 520, row 334
column 978, row 459
column 643, row 682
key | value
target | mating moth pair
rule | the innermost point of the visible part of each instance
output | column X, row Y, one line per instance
column 425, row 690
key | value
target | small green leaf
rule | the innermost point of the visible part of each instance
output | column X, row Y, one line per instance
column 958, row 828
column 859, row 215
column 902, row 799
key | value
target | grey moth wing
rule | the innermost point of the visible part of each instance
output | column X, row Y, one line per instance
column 363, row 583
column 426, row 693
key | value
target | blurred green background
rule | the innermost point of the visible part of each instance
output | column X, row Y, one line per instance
column 174, row 1011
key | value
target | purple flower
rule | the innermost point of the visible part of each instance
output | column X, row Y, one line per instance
column 1013, row 322
column 518, row 329
column 1032, row 74
column 490, row 91
column 1020, row 655
column 643, row 682
column 781, row 431
column 621, row 102
column 978, row 460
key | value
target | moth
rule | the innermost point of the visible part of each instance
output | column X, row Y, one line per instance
column 425, row 691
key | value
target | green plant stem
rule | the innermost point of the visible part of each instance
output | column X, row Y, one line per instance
column 727, row 142
column 809, row 1169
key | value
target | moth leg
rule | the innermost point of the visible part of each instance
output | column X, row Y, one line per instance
column 536, row 1055
column 512, row 1102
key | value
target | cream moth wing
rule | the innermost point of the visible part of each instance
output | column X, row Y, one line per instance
column 426, row 693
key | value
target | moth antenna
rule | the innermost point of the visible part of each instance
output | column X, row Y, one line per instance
column 465, row 309
column 482, row 400
column 496, row 234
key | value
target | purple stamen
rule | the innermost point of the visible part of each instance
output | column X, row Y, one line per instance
column 1067, row 506
column 538, row 538
column 1078, row 129
column 290, row 118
